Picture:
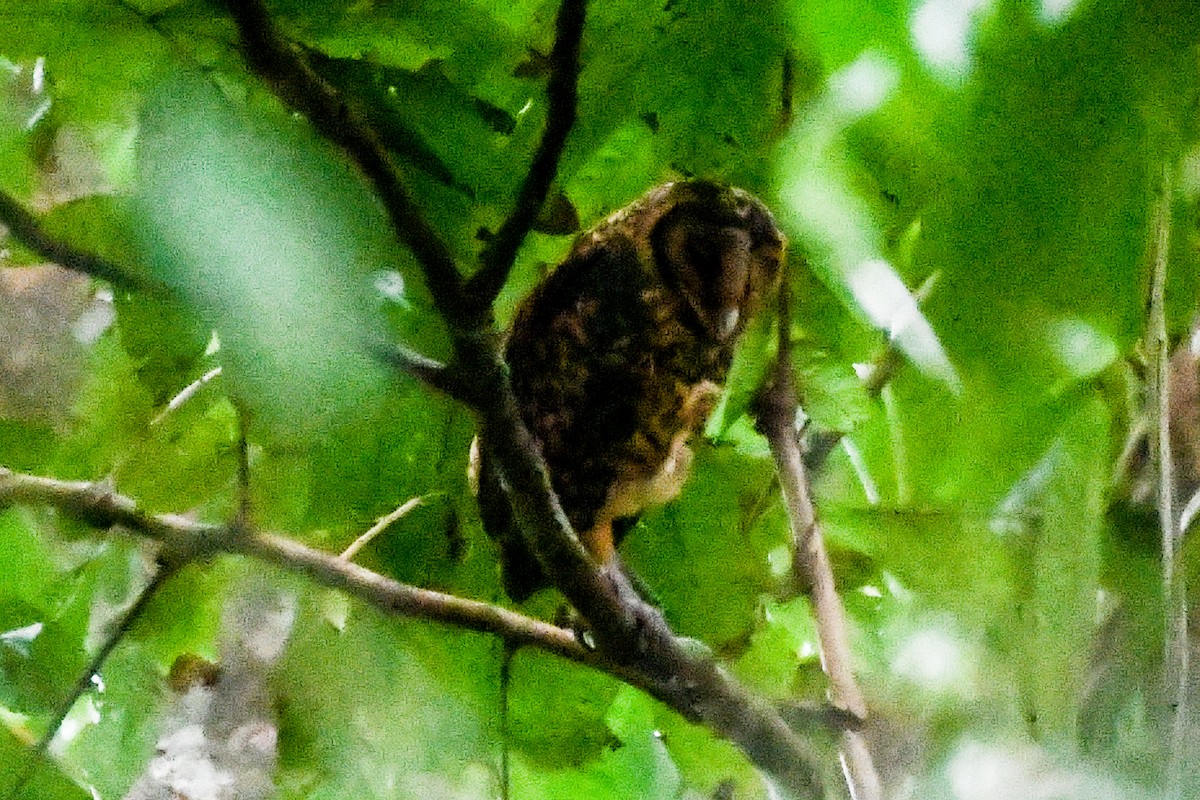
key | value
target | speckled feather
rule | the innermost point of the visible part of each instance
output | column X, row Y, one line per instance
column 617, row 357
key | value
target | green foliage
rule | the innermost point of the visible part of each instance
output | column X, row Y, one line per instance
column 1002, row 592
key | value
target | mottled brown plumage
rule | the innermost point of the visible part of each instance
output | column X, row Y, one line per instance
column 618, row 356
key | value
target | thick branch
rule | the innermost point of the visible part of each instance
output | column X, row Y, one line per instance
column 631, row 633
column 279, row 63
column 690, row 683
column 26, row 229
column 562, row 94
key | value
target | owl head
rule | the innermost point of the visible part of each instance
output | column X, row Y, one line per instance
column 720, row 248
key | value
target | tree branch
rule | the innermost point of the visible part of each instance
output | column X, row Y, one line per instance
column 777, row 411
column 104, row 508
column 633, row 637
column 692, row 684
column 476, row 348
column 26, row 229
column 1176, row 647
column 562, row 93
column 278, row 62
column 434, row 374
column 161, row 575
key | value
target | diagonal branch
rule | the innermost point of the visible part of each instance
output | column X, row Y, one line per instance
column 695, row 688
column 26, row 229
column 633, row 638
column 278, row 62
column 103, row 508
column 629, row 632
column 562, row 93
column 476, row 348
column 777, row 411
column 94, row 666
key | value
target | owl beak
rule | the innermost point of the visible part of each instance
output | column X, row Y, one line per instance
column 727, row 324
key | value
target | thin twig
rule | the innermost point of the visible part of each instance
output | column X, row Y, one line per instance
column 1175, row 640
column 243, row 520
column 93, row 667
column 278, row 62
column 432, row 373
column 186, row 394
column 26, row 229
column 379, row 527
column 562, row 95
column 506, row 658
column 777, row 411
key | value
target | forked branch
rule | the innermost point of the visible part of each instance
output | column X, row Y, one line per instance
column 26, row 229
column 630, row 634
column 562, row 94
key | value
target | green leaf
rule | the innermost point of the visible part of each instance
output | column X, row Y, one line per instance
column 706, row 762
column 637, row 765
column 189, row 459
column 705, row 554
column 838, row 233
column 831, row 394
column 98, row 59
column 1059, row 508
column 123, row 736
column 784, row 643
column 48, row 782
column 557, row 711
column 755, row 354
column 362, row 688
column 26, row 445
column 111, row 415
column 266, row 235
column 709, row 105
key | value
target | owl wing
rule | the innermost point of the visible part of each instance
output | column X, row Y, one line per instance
column 571, row 352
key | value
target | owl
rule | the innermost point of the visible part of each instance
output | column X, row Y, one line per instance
column 617, row 359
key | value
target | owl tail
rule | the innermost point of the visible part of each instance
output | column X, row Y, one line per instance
column 519, row 568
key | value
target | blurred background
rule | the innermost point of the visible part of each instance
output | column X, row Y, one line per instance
column 991, row 512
